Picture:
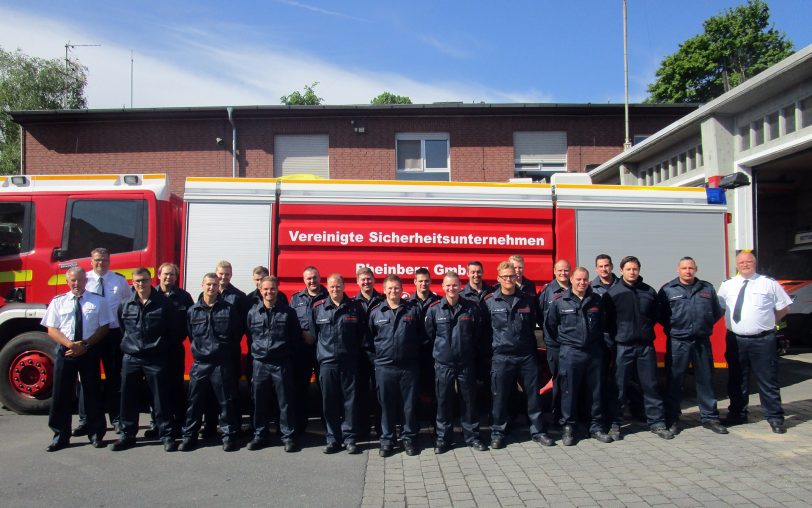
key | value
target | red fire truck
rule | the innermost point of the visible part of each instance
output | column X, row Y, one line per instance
column 50, row 223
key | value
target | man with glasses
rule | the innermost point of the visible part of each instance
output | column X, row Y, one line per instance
column 510, row 322
column 113, row 288
column 146, row 320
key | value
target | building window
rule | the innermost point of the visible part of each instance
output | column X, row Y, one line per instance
column 744, row 138
column 637, row 138
column 789, row 119
column 772, row 125
column 423, row 156
column 539, row 154
column 806, row 112
column 301, row 154
column 758, row 132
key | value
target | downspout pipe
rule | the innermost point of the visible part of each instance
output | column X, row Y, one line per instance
column 230, row 111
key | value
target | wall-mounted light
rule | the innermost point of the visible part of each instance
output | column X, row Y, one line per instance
column 360, row 130
column 220, row 141
column 734, row 180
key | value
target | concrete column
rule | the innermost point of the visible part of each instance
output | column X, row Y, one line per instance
column 628, row 173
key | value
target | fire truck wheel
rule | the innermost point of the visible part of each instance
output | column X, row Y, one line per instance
column 27, row 365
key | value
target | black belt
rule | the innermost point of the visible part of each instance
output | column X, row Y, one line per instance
column 756, row 336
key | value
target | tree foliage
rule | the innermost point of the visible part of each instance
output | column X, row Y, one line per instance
column 735, row 46
column 306, row 98
column 390, row 98
column 34, row 83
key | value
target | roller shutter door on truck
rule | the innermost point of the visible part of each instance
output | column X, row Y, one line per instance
column 234, row 225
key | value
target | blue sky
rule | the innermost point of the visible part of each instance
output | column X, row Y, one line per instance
column 204, row 53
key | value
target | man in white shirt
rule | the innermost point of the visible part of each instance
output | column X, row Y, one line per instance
column 76, row 321
column 753, row 303
column 113, row 288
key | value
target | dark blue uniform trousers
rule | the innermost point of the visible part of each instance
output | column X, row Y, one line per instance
column 269, row 379
column 109, row 350
column 219, row 377
column 338, row 388
column 505, row 370
column 578, row 368
column 397, row 389
column 66, row 371
column 757, row 355
column 679, row 353
column 135, row 369
column 303, row 366
column 642, row 359
column 445, row 377
column 553, row 353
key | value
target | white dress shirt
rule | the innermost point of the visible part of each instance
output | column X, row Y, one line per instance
column 762, row 297
column 116, row 290
column 60, row 314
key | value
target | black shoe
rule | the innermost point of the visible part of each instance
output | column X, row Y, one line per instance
column 56, row 446
column 614, row 433
column 543, row 440
column 352, row 449
column 331, row 448
column 229, row 444
column 441, row 447
column 257, row 443
column 188, row 444
column 80, row 430
column 715, row 426
column 117, row 427
column 568, row 437
column 385, row 451
column 478, row 445
column 122, row 444
column 662, row 432
column 97, row 443
column 409, row 448
column 778, row 427
column 170, row 445
column 674, row 428
column 601, row 436
column 497, row 443
column 151, row 433
column 290, row 447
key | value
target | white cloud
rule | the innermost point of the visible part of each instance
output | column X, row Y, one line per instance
column 199, row 70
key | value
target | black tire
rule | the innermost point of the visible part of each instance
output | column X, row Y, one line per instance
column 9, row 396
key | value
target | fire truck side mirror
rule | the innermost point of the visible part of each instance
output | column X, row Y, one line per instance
column 60, row 254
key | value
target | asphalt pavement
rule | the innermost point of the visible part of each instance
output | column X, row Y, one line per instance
column 751, row 466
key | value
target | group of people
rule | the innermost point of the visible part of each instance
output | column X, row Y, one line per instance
column 374, row 352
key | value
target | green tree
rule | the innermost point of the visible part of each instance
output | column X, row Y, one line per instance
column 34, row 83
column 390, row 98
column 735, row 46
column 308, row 98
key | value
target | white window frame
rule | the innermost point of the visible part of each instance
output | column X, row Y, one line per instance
column 423, row 137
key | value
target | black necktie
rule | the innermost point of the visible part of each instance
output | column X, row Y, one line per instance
column 78, row 331
column 101, row 286
column 737, row 310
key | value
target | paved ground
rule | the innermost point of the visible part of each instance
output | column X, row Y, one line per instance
column 750, row 466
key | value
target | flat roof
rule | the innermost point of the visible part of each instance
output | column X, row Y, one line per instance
column 785, row 74
column 323, row 111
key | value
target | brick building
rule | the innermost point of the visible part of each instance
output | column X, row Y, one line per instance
column 456, row 142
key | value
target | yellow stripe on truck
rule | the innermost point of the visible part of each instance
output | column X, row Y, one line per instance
column 15, row 276
column 59, row 280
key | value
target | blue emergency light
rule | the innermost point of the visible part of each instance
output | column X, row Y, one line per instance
column 716, row 196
